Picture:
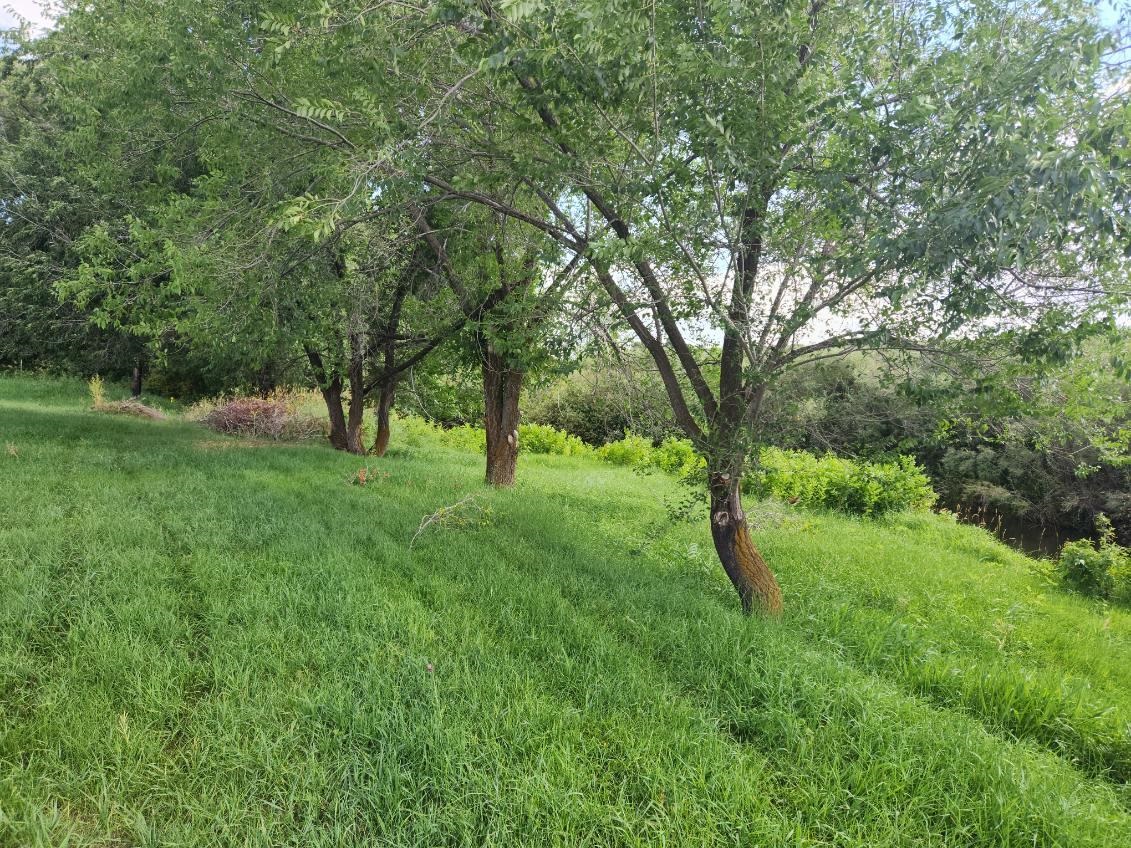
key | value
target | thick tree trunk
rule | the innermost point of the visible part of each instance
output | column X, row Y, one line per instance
column 502, row 385
column 756, row 585
column 331, row 389
column 354, row 442
column 138, row 375
column 354, row 439
column 384, row 409
column 332, row 394
column 265, row 380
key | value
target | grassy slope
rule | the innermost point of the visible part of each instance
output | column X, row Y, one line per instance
column 203, row 642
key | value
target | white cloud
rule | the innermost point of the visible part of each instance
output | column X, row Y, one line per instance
column 13, row 12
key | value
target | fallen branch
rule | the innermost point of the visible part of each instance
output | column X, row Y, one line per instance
column 459, row 514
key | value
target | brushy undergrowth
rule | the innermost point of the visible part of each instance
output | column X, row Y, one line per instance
column 282, row 416
column 797, row 477
column 1102, row 569
column 96, row 388
column 844, row 485
column 202, row 647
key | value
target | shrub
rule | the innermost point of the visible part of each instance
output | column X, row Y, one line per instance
column 831, row 482
column 276, row 417
column 677, row 456
column 1102, row 569
column 97, row 389
column 1121, row 578
column 604, row 400
column 412, row 430
column 464, row 437
column 632, row 450
column 542, row 438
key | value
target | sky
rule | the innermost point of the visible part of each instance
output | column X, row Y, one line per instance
column 27, row 9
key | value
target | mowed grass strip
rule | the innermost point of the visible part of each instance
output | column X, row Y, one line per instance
column 209, row 643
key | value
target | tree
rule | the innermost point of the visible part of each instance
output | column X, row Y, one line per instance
column 751, row 187
column 804, row 179
column 43, row 211
column 788, row 182
column 498, row 263
column 208, row 234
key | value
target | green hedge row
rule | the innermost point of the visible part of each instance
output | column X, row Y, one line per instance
column 827, row 482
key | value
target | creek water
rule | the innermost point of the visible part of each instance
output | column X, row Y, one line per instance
column 1034, row 539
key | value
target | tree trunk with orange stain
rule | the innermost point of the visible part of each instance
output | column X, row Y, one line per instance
column 756, row 585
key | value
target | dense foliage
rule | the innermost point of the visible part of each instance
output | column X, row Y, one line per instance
column 830, row 482
column 1102, row 568
column 800, row 478
column 1040, row 446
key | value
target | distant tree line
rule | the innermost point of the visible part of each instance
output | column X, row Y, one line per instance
column 1040, row 449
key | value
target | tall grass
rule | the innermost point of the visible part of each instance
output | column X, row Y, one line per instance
column 208, row 642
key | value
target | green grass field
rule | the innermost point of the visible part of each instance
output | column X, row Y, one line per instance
column 205, row 641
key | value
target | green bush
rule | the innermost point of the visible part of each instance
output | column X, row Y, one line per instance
column 831, row 482
column 632, row 450
column 532, row 438
column 412, row 430
column 604, row 400
column 1121, row 578
column 542, row 438
column 801, row 478
column 1102, row 569
column 677, row 456
column 465, row 437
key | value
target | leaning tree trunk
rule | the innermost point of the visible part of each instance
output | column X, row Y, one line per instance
column 384, row 409
column 331, row 389
column 501, row 387
column 752, row 579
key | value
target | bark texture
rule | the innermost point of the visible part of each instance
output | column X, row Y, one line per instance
column 756, row 585
column 384, row 409
column 331, row 389
column 357, row 399
column 332, row 394
column 502, row 385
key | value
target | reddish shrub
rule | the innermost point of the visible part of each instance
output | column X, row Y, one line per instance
column 264, row 418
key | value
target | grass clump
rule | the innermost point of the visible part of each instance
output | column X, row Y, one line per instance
column 96, row 387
